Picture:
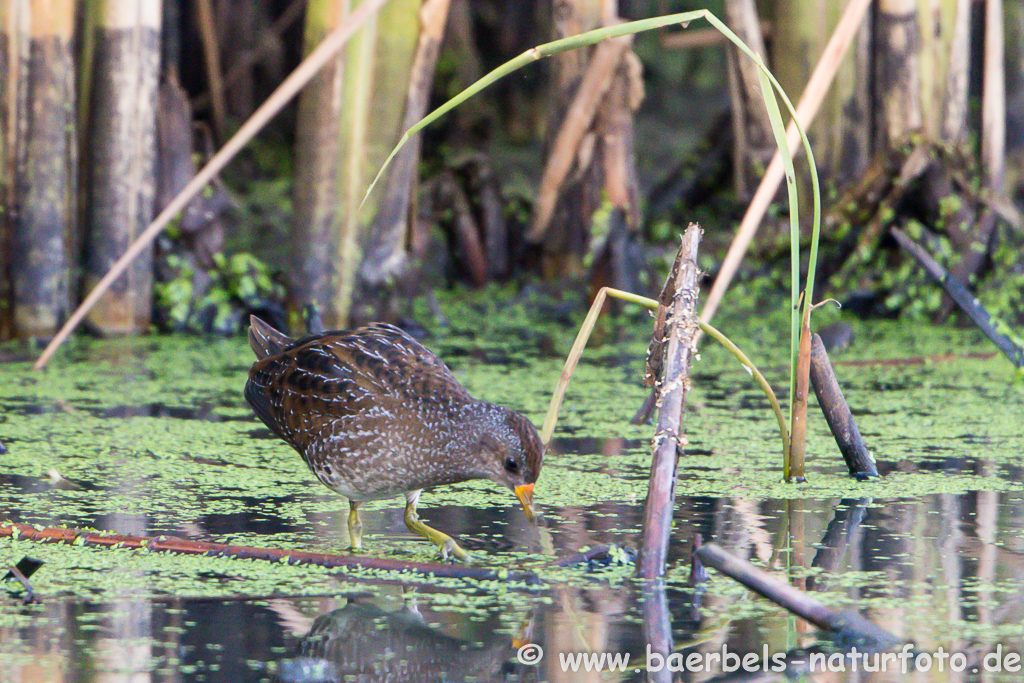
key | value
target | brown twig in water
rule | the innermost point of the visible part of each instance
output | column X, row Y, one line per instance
column 172, row 544
column 855, row 628
column 837, row 414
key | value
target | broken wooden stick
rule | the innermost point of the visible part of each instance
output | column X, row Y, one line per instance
column 964, row 299
column 669, row 356
column 852, row 627
column 837, row 414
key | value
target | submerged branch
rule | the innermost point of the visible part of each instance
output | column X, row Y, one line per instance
column 183, row 546
column 855, row 629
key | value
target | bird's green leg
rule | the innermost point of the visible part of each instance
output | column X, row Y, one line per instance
column 443, row 541
column 355, row 525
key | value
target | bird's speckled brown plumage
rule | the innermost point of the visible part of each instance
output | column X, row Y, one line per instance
column 375, row 414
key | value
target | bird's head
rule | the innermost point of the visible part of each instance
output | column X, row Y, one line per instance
column 512, row 455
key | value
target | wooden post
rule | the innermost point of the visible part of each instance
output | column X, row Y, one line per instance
column 673, row 342
column 898, row 69
column 314, row 193
column 122, row 158
column 958, row 49
column 39, row 161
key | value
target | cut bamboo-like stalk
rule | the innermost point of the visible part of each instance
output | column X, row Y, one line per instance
column 956, row 87
column 122, row 157
column 315, row 190
column 993, row 101
column 40, row 163
column 385, row 252
column 280, row 97
column 898, row 71
column 359, row 104
column 841, row 131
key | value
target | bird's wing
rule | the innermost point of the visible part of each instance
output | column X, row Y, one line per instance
column 393, row 363
column 378, row 373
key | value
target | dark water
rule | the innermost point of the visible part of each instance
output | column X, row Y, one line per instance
column 934, row 555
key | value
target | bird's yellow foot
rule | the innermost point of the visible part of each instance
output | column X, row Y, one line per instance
column 449, row 547
column 445, row 543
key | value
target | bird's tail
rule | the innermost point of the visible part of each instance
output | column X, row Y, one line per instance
column 265, row 340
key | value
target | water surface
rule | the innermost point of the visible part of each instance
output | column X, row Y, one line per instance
column 152, row 437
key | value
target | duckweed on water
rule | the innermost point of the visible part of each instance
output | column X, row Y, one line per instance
column 158, row 434
column 219, row 465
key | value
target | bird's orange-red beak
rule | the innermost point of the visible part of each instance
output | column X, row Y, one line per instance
column 524, row 492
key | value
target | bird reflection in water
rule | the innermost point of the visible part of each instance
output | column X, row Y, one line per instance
column 363, row 643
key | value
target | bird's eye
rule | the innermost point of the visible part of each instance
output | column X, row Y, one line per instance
column 511, row 465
